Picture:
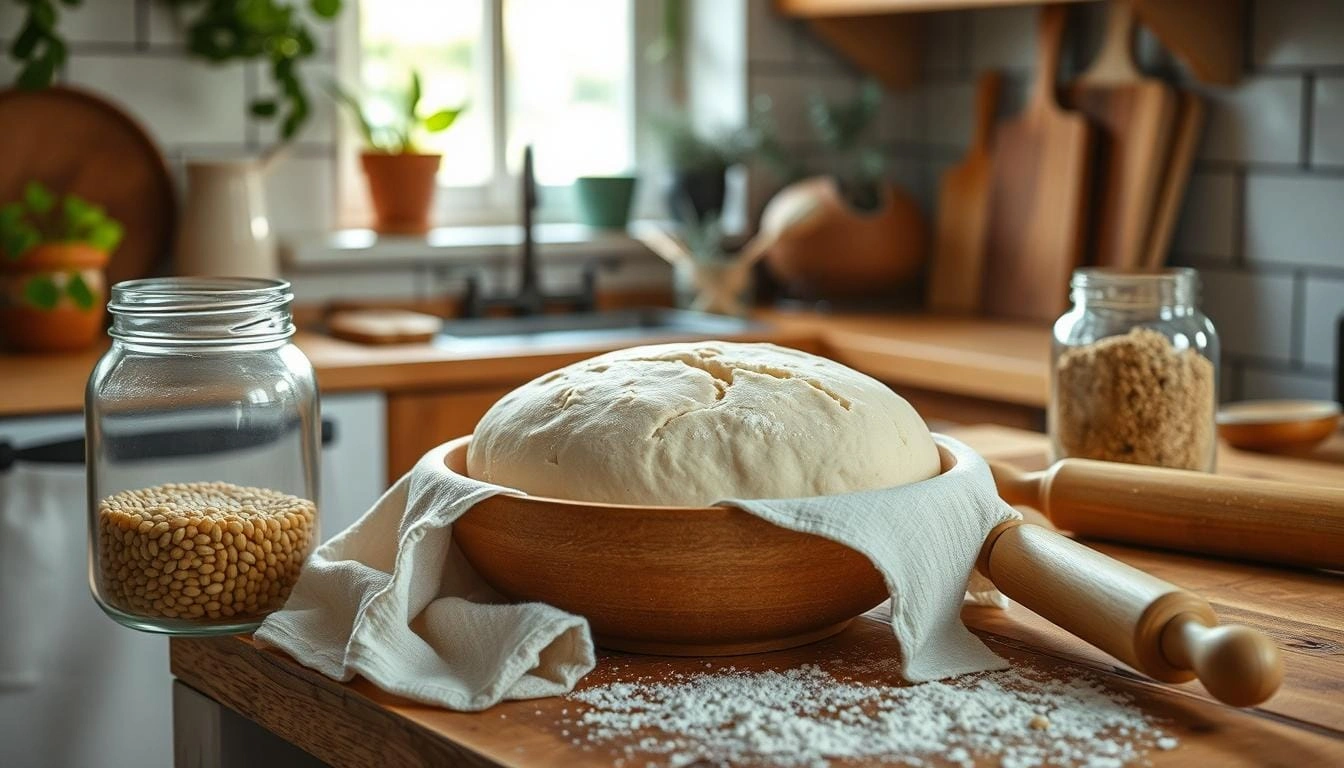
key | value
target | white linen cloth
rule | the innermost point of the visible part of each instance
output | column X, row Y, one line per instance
column 392, row 599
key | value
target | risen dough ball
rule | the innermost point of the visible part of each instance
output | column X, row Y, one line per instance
column 692, row 424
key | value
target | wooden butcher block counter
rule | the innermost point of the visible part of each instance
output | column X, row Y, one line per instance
column 227, row 688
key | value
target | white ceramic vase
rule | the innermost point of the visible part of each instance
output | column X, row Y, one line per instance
column 224, row 229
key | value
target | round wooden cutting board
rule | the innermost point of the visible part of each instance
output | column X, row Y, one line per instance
column 77, row 143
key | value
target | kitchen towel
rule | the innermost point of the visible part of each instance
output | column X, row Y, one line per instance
column 392, row 599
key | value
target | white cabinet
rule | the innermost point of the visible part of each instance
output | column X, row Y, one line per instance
column 76, row 689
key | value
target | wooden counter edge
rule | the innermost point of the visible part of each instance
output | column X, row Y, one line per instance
column 308, row 710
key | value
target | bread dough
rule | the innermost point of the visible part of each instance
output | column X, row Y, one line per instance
column 694, row 423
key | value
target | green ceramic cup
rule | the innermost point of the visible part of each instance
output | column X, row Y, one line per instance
column 604, row 201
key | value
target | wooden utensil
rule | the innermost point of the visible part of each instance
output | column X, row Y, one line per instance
column 384, row 326
column 713, row 581
column 1280, row 426
column 1039, row 195
column 1190, row 115
column 963, row 213
column 1133, row 116
column 76, row 143
column 1272, row 522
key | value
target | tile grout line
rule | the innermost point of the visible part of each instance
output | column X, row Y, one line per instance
column 1298, row 330
column 1308, row 116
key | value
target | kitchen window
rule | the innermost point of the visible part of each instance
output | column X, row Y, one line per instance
column 570, row 78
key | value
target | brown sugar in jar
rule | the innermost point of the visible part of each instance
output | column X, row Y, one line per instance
column 1134, row 374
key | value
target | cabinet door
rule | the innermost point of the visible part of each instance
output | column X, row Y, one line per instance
column 418, row 421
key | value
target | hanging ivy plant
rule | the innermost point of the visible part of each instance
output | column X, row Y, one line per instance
column 37, row 48
column 219, row 31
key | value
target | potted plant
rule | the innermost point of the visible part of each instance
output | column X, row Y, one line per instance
column 698, row 169
column 867, row 236
column 52, row 291
column 401, row 178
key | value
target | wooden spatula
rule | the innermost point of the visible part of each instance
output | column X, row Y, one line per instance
column 1185, row 140
column 1133, row 116
column 1271, row 522
column 963, row 213
column 1039, row 195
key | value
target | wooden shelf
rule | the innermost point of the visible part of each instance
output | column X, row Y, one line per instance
column 882, row 37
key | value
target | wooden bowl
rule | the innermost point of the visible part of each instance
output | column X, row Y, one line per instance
column 1278, row 426
column 676, row 581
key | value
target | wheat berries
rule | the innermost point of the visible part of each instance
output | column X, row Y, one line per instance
column 202, row 551
column 1137, row 399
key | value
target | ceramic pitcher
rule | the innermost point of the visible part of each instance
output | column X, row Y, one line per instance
column 225, row 229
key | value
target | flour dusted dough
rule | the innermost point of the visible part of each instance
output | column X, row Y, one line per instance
column 691, row 424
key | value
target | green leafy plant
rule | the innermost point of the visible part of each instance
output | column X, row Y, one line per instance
column 841, row 127
column 685, row 149
column 37, row 218
column 220, row 31
column 397, row 136
column 37, row 48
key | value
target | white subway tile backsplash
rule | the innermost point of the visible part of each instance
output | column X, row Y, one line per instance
column 1208, row 226
column 1298, row 33
column 770, row 37
column 1267, row 384
column 1258, row 121
column 789, row 96
column 1252, row 312
column 301, row 194
column 181, row 101
column 383, row 283
column 1324, row 305
column 96, row 21
column 901, row 114
column 949, row 114
column 1003, row 38
column 1327, row 132
column 1294, row 220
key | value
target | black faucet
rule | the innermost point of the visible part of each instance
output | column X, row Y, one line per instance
column 530, row 299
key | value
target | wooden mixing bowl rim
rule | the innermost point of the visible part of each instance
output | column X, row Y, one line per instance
column 458, row 447
column 1274, row 412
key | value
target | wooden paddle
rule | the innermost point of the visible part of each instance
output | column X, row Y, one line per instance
column 1038, row 198
column 1133, row 116
column 1185, row 141
column 963, row 213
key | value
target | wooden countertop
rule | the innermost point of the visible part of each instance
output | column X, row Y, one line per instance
column 977, row 358
column 354, row 724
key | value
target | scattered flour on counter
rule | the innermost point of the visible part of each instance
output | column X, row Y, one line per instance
column 805, row 717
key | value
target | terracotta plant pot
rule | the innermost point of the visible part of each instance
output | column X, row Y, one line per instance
column 54, row 298
column 844, row 252
column 401, row 187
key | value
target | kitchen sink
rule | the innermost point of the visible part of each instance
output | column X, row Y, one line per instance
column 634, row 325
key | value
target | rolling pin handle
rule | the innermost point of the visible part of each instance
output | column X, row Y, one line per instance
column 1237, row 664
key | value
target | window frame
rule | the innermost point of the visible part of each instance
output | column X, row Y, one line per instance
column 497, row 201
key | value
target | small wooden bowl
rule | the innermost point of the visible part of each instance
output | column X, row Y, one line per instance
column 674, row 581
column 1278, row 426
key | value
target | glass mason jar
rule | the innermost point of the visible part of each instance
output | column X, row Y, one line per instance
column 203, row 441
column 1134, row 371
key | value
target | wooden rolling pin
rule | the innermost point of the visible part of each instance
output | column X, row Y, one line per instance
column 1260, row 520
column 1155, row 627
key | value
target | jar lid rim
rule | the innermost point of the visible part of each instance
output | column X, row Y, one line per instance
column 159, row 295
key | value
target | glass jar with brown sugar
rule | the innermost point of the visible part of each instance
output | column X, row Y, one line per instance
column 1134, row 374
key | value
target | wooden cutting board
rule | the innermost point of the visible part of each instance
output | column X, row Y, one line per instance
column 1133, row 116
column 1190, row 115
column 1039, row 195
column 963, row 213
column 77, row 143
